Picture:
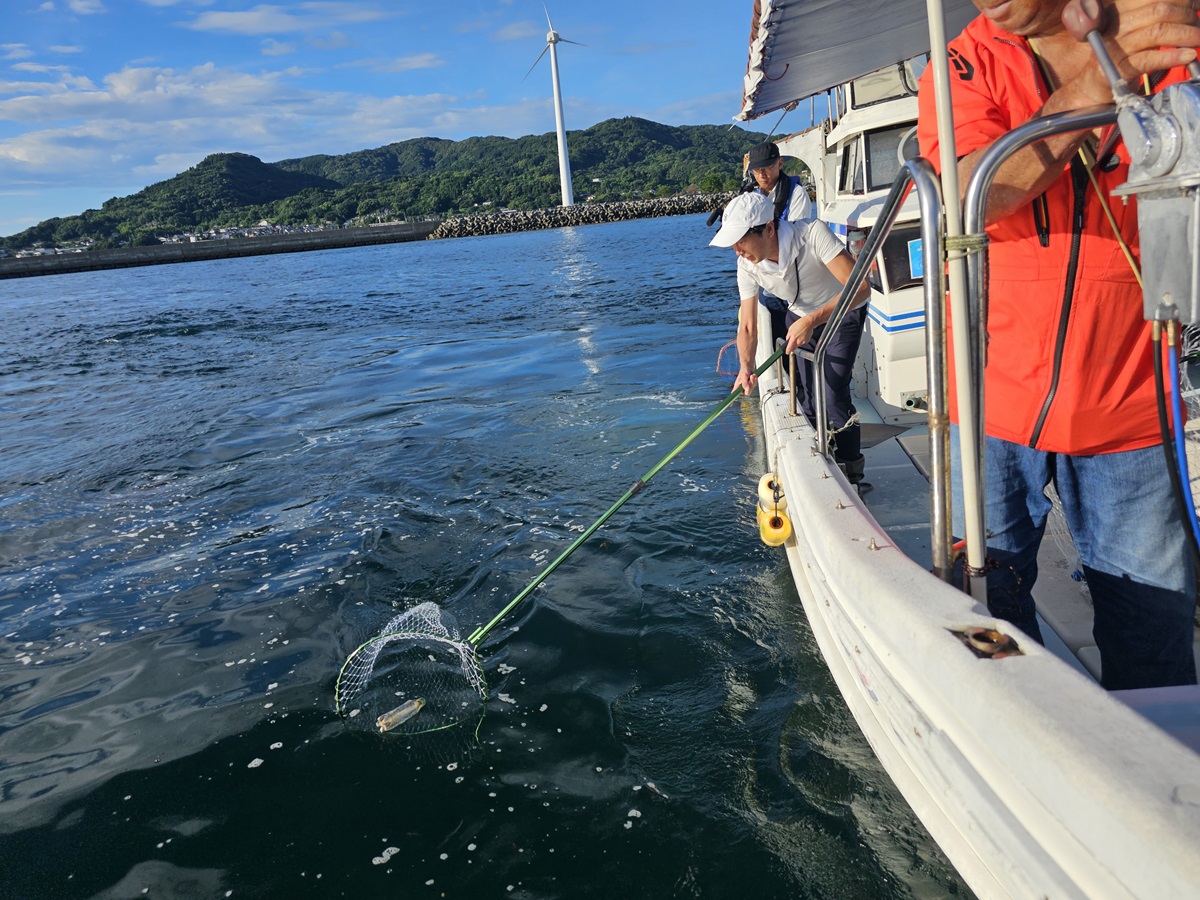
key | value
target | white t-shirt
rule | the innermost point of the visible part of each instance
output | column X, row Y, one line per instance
column 801, row 277
column 800, row 205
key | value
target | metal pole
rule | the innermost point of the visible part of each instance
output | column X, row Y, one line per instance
column 933, row 257
column 887, row 215
column 970, row 409
column 973, row 319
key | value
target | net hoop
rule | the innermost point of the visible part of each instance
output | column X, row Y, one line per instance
column 425, row 657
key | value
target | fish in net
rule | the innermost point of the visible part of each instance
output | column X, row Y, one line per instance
column 418, row 656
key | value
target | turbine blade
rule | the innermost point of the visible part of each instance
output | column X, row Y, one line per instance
column 563, row 40
column 536, row 61
column 548, row 22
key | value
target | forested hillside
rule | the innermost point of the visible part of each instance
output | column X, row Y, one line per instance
column 616, row 159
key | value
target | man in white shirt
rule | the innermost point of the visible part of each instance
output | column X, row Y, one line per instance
column 806, row 265
column 765, row 166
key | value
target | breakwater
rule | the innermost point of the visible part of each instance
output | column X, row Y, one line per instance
column 459, row 226
column 583, row 214
column 158, row 254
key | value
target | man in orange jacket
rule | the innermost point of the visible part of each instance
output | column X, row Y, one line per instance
column 1070, row 393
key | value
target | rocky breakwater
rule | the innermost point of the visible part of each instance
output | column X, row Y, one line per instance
column 583, row 214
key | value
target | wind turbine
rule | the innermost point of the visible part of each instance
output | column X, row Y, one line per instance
column 564, row 162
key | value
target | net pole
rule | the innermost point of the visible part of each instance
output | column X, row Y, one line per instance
column 480, row 633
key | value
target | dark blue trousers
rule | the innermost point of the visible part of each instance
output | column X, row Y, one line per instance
column 839, row 369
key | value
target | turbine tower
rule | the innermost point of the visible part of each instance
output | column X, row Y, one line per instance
column 564, row 162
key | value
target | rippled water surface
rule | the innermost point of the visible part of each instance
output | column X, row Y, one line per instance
column 217, row 479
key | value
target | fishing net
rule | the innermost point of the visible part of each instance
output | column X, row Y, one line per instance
column 418, row 656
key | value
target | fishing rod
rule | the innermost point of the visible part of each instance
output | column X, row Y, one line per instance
column 480, row 633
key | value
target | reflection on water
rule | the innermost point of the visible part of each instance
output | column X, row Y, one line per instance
column 220, row 478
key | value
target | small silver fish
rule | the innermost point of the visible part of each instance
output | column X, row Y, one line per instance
column 400, row 714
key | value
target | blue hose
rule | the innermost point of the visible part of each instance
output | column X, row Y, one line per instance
column 1180, row 452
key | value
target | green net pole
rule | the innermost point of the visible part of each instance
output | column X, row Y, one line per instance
column 480, row 633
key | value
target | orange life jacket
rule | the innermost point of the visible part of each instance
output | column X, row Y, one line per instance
column 1069, row 356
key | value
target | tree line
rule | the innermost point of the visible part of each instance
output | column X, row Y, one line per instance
column 618, row 159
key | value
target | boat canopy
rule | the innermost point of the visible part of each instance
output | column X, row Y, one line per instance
column 799, row 48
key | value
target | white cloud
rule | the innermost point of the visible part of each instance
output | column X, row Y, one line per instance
column 699, row 109
column 270, row 19
column 9, row 88
column 401, row 63
column 66, row 82
column 167, row 165
column 38, row 67
column 272, row 47
column 150, row 94
column 64, row 48
column 86, row 7
column 519, row 31
column 336, row 41
column 15, row 51
column 466, row 27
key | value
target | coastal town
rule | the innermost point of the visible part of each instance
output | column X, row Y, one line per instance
column 265, row 237
column 262, row 229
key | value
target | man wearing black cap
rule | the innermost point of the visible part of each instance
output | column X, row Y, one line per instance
column 765, row 166
column 791, row 200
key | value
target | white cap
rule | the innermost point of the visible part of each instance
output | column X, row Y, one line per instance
column 743, row 212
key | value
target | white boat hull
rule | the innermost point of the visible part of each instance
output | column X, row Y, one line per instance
column 1033, row 780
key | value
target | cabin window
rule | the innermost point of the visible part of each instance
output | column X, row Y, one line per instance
column 891, row 83
column 901, row 257
column 851, row 179
column 886, row 151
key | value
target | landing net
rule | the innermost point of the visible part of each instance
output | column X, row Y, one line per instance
column 418, row 675
column 418, row 655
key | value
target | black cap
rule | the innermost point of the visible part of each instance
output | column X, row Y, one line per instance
column 763, row 154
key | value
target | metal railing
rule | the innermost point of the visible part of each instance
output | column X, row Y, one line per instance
column 919, row 173
column 974, row 222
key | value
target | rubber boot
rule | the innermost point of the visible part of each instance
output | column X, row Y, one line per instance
column 854, row 469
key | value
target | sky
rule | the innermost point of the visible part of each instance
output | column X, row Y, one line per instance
column 99, row 98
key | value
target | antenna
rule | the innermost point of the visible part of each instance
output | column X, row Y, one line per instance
column 564, row 161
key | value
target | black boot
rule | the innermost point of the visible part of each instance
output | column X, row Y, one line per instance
column 854, row 473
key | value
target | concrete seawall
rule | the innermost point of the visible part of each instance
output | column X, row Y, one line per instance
column 123, row 257
column 463, row 226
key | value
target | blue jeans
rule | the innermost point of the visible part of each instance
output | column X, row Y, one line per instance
column 1130, row 537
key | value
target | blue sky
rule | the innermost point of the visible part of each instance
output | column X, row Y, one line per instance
column 99, row 98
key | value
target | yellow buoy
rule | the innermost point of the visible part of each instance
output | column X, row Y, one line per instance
column 769, row 486
column 773, row 527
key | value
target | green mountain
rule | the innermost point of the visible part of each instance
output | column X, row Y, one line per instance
column 613, row 160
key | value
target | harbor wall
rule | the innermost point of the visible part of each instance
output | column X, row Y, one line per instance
column 122, row 257
column 459, row 226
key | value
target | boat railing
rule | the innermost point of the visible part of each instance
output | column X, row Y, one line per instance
column 974, row 237
column 916, row 172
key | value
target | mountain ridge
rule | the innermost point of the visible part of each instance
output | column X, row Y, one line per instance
column 613, row 160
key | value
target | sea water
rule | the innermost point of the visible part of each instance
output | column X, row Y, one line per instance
column 219, row 478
